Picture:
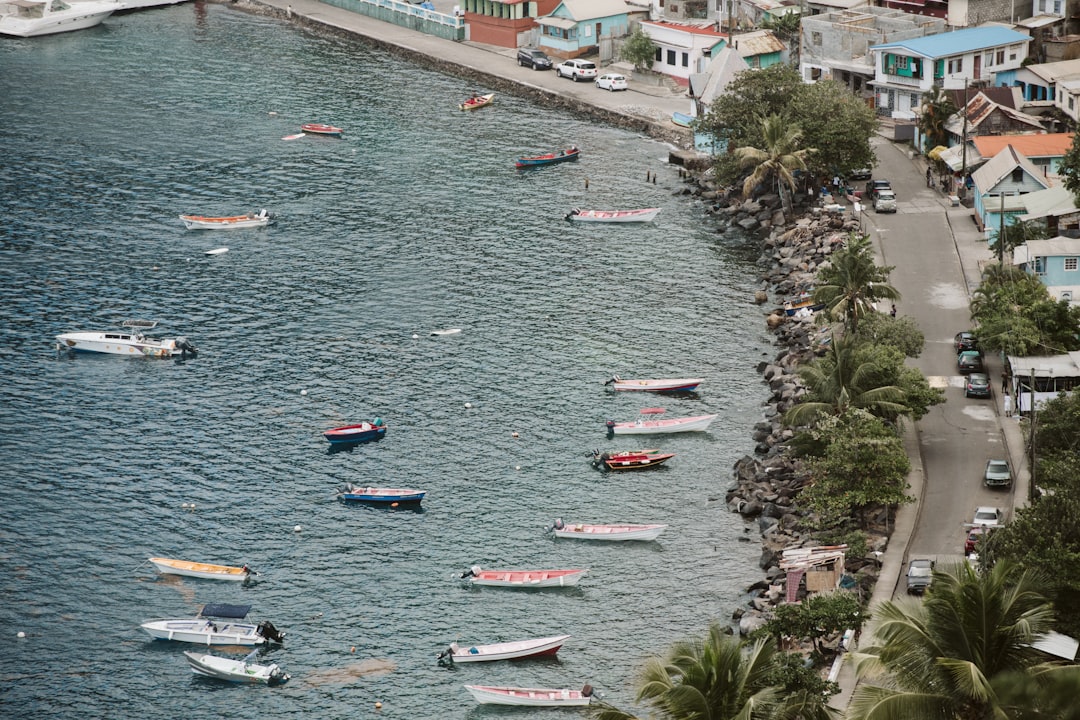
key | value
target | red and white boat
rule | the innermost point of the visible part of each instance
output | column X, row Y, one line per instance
column 614, row 216
column 321, row 129
column 630, row 459
column 649, row 421
column 609, row 533
column 477, row 101
column 231, row 222
column 664, row 385
column 536, row 697
column 515, row 650
column 524, row 578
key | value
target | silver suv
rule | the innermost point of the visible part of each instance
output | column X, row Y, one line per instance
column 576, row 69
column 531, row 57
column 885, row 201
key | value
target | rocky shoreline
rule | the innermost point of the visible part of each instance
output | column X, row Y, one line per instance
column 767, row 484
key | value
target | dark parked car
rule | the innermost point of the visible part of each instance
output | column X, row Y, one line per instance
column 969, row 361
column 873, row 187
column 536, row 59
column 997, row 474
column 919, row 574
column 977, row 385
column 965, row 341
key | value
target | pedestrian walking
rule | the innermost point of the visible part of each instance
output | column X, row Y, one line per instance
column 893, row 311
column 836, row 182
column 1008, row 405
column 929, row 178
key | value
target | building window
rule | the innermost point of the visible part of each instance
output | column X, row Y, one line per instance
column 914, row 100
column 1042, row 6
column 686, row 59
column 671, row 57
column 1000, row 57
column 1071, row 102
column 988, row 59
column 815, row 38
column 1070, row 264
column 901, row 62
column 659, row 55
column 1018, row 175
column 1057, row 7
column 956, row 65
column 1040, row 265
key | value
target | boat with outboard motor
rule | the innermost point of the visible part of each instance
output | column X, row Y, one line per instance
column 613, row 216
column 262, row 218
column 132, row 343
column 650, row 422
column 609, row 533
column 514, row 650
column 536, row 697
column 361, row 432
column 524, row 578
column 239, row 671
column 668, row 385
column 213, row 626
column 630, row 459
column 206, row 571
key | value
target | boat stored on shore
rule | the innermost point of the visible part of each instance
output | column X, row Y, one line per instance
column 130, row 344
column 514, row 650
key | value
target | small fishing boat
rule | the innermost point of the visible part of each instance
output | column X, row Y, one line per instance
column 613, row 216
column 33, row 18
column 477, row 101
column 515, row 650
column 524, row 578
column 361, row 432
column 206, row 571
column 239, row 671
column 630, row 459
column 650, row 422
column 231, row 222
column 551, row 158
column 682, row 119
column 132, row 343
column 321, row 129
column 803, row 302
column 536, row 697
column 381, row 495
column 664, row 385
column 214, row 626
column 608, row 533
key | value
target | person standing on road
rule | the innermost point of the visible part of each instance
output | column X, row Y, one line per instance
column 893, row 311
column 929, row 177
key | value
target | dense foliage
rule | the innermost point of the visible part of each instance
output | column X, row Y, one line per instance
column 779, row 158
column 1015, row 314
column 1069, row 169
column 1018, row 232
column 938, row 107
column 901, row 333
column 851, row 283
column 833, row 120
column 817, row 617
column 639, row 49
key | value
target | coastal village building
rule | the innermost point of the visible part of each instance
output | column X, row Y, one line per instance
column 965, row 13
column 580, row 27
column 904, row 71
column 759, row 48
column 983, row 116
column 1051, row 85
column 505, row 23
column 1044, row 150
column 1056, row 207
column 1048, row 20
column 835, row 45
column 999, row 186
column 682, row 49
column 1038, row 379
column 746, row 14
column 1056, row 262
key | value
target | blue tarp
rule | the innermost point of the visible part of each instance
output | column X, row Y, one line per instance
column 225, row 611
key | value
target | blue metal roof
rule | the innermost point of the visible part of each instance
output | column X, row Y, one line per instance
column 957, row 42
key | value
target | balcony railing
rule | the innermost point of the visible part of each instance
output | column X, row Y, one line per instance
column 902, row 79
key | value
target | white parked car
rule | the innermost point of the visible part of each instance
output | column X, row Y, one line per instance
column 612, row 82
column 576, row 69
column 988, row 517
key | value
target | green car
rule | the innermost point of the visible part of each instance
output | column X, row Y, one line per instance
column 969, row 361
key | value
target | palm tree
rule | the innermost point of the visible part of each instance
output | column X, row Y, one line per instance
column 941, row 657
column 838, row 382
column 936, row 111
column 779, row 159
column 1044, row 692
column 851, row 283
column 718, row 679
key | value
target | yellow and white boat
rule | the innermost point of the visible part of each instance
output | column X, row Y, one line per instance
column 207, row 571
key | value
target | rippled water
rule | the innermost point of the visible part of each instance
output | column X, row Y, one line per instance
column 415, row 221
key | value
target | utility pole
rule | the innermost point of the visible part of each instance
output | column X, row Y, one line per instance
column 963, row 145
column 1031, row 440
column 1001, row 236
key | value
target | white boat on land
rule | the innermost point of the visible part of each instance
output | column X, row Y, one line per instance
column 32, row 18
column 515, row 650
column 524, row 578
column 231, row 222
column 132, row 343
column 659, row 385
column 536, row 697
column 207, row 571
column 614, row 216
column 213, row 626
column 609, row 533
column 649, row 422
column 129, row 5
column 241, row 671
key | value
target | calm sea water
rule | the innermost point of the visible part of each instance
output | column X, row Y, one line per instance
column 415, row 221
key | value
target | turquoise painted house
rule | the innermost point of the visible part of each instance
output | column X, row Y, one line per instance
column 575, row 27
column 999, row 186
column 1056, row 262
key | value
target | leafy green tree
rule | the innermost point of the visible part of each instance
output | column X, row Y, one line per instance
column 851, row 283
column 780, row 156
column 639, row 49
column 889, row 369
column 1069, row 169
column 938, row 658
column 718, row 679
column 1046, row 692
column 863, row 467
column 838, row 124
column 752, row 94
column 1016, row 315
column 840, row 381
column 786, row 26
column 817, row 617
column 938, row 107
column 1019, row 232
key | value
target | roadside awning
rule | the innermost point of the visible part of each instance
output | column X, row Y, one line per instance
column 935, row 154
column 558, row 22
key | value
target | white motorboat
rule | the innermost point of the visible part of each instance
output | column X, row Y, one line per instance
column 670, row 385
column 536, row 697
column 128, row 5
column 241, row 671
column 649, row 422
column 231, row 222
column 214, row 626
column 524, row 578
column 206, row 571
column 31, row 18
column 613, row 216
column 131, row 343
column 514, row 650
column 609, row 533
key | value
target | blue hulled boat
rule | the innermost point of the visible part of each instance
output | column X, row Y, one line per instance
column 550, row 158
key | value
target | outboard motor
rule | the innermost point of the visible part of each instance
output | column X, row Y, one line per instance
column 471, row 572
column 610, row 425
column 559, row 524
column 587, row 690
column 186, row 347
column 267, row 630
